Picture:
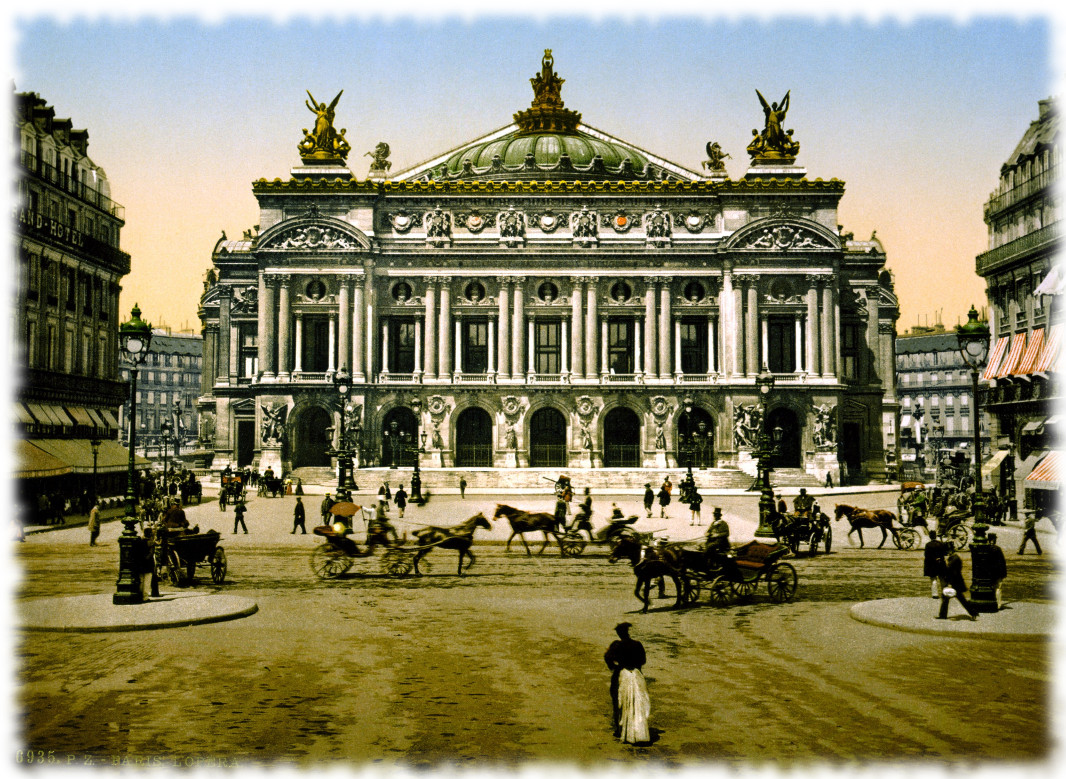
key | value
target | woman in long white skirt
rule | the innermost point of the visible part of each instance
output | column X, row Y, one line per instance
column 636, row 706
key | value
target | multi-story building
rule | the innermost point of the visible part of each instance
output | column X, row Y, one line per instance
column 550, row 296
column 1024, row 365
column 168, row 386
column 65, row 312
column 935, row 392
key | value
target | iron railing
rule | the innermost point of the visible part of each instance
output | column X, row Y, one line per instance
column 473, row 456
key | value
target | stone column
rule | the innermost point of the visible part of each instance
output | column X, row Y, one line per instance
column 651, row 345
column 737, row 336
column 344, row 334
column 503, row 345
column 298, row 356
column 871, row 356
column 518, row 331
column 887, row 333
column 492, row 347
column 358, row 346
column 386, row 364
column 458, row 367
column 727, row 322
column 603, row 346
column 577, row 346
column 210, row 369
column 592, row 318
column 666, row 317
column 564, row 353
column 431, row 327
column 530, row 365
column 271, row 303
column 751, row 327
column 225, row 332
column 332, row 364
column 262, row 343
column 813, row 357
column 828, row 342
column 799, row 346
column 677, row 347
column 370, row 301
column 637, row 338
column 418, row 347
column 444, row 359
column 764, row 339
column 284, row 328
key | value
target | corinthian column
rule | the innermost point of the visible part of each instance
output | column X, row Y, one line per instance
column 665, row 321
column 751, row 327
column 284, row 327
column 263, row 340
column 358, row 346
column 828, row 342
column 592, row 318
column 225, row 332
column 444, row 359
column 518, row 330
column 577, row 346
column 431, row 328
column 271, row 325
column 344, row 317
column 503, row 343
column 813, row 356
column 650, row 341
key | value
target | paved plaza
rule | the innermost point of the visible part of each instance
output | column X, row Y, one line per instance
column 502, row 668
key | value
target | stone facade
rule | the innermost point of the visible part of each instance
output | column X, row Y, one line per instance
column 550, row 298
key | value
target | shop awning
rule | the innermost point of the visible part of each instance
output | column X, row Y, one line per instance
column 995, row 357
column 110, row 419
column 1049, row 355
column 78, row 454
column 50, row 415
column 1053, row 284
column 96, row 417
column 34, row 463
column 1014, row 356
column 1048, row 473
column 1036, row 427
column 23, row 415
column 991, row 465
column 1032, row 352
column 80, row 415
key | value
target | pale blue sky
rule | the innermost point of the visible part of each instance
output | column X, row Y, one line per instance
column 916, row 118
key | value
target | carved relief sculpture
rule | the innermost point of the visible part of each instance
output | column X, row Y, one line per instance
column 274, row 423
column 747, row 421
column 825, row 432
column 512, row 227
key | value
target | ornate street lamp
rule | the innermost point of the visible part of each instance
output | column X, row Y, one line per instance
column 135, row 337
column 165, row 428
column 342, row 380
column 94, row 444
column 420, row 439
column 765, row 384
column 974, row 339
column 686, row 440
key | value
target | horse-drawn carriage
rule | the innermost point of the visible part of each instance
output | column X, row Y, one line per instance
column 753, row 562
column 178, row 554
column 190, row 489
column 340, row 551
column 573, row 543
column 271, row 487
column 803, row 528
column 903, row 537
column 230, row 491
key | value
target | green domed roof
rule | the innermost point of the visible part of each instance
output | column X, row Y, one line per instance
column 547, row 144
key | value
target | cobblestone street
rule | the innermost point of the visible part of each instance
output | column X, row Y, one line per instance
column 503, row 666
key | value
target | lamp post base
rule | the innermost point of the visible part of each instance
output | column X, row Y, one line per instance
column 132, row 550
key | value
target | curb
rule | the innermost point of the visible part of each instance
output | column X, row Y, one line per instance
column 1015, row 621
column 97, row 613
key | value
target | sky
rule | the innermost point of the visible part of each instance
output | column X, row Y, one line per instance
column 184, row 111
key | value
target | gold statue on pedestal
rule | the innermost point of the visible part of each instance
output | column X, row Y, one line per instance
column 774, row 144
column 324, row 143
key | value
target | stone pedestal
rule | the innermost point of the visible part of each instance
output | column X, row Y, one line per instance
column 582, row 460
column 660, row 459
column 825, row 463
column 431, row 460
column 270, row 457
column 510, row 460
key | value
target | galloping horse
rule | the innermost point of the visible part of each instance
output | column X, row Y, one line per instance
column 459, row 537
column 860, row 518
column 648, row 565
column 523, row 522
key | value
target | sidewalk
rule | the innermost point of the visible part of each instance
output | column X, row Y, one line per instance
column 97, row 613
column 1020, row 621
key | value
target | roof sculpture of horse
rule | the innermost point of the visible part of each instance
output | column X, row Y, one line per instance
column 649, row 565
column 523, row 522
column 459, row 537
column 868, row 518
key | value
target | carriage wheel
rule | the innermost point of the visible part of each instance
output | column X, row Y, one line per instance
column 328, row 562
column 959, row 535
column 218, row 566
column 397, row 563
column 827, row 537
column 744, row 588
column 781, row 582
column 720, row 592
column 908, row 538
column 174, row 568
column 691, row 591
column 572, row 547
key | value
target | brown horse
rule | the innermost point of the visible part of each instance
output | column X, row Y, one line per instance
column 868, row 518
column 523, row 522
column 649, row 565
column 459, row 537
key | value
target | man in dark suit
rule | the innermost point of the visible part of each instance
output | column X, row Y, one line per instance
column 628, row 653
column 954, row 587
column 933, row 567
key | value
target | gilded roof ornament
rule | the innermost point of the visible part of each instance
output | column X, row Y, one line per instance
column 324, row 144
column 547, row 114
column 774, row 145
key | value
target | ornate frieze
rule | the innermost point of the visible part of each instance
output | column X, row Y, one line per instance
column 584, row 226
column 474, row 221
column 620, row 222
column 512, row 227
column 657, row 226
column 549, row 221
column 438, row 227
column 402, row 221
column 245, row 300
column 693, row 221
column 312, row 238
column 784, row 238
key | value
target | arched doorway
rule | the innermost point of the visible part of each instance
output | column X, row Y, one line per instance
column 784, row 430
column 473, row 439
column 695, row 439
column 398, row 438
column 312, row 440
column 547, row 439
column 621, row 439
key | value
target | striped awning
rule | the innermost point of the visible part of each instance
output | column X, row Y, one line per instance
column 1032, row 352
column 34, row 463
column 112, row 457
column 23, row 415
column 109, row 418
column 1048, row 473
column 1014, row 356
column 1049, row 355
column 80, row 415
column 995, row 357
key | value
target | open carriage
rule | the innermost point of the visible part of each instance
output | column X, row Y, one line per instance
column 755, row 562
column 179, row 555
column 338, row 554
column 803, row 528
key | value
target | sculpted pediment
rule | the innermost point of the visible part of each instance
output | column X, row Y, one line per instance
column 777, row 235
column 314, row 235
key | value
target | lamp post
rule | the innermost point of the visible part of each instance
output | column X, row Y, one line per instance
column 416, row 476
column 765, row 384
column 135, row 337
column 974, row 339
column 342, row 380
column 687, row 439
column 94, row 444
column 165, row 429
